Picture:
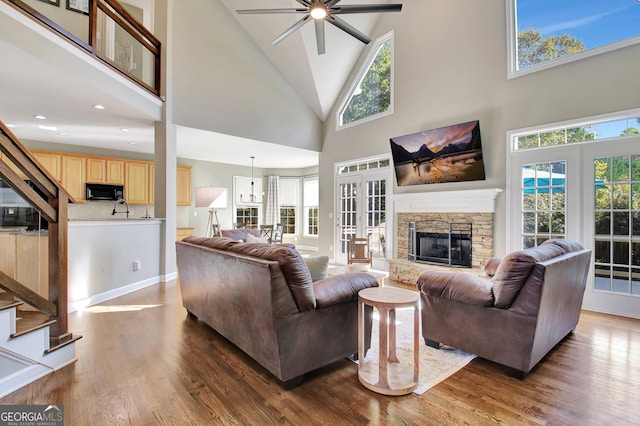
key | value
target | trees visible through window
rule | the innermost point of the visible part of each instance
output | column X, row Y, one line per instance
column 372, row 95
column 248, row 216
column 312, row 221
column 550, row 29
column 288, row 219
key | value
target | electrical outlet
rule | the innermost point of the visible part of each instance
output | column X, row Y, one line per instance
column 137, row 265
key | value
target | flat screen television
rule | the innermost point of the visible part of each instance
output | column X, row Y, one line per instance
column 446, row 154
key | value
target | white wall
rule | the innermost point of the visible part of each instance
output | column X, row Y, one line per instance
column 451, row 67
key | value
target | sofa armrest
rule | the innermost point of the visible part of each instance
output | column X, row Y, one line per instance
column 457, row 286
column 342, row 288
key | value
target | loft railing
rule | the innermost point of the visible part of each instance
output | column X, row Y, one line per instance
column 104, row 29
column 52, row 200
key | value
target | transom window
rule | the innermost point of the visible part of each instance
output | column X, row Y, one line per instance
column 591, row 131
column 371, row 96
column 549, row 32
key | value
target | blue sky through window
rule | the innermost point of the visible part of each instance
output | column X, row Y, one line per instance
column 594, row 22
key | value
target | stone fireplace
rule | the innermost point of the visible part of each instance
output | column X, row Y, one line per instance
column 474, row 208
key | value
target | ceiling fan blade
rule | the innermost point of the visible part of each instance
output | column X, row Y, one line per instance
column 269, row 11
column 320, row 35
column 291, row 29
column 366, row 8
column 349, row 29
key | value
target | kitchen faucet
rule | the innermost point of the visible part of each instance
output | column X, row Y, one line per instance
column 121, row 201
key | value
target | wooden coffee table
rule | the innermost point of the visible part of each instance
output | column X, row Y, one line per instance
column 386, row 374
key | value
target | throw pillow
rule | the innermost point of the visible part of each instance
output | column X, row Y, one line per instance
column 318, row 267
column 253, row 239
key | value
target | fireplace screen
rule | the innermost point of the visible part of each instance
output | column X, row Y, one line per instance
column 440, row 242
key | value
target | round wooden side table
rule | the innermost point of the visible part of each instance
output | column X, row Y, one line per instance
column 386, row 374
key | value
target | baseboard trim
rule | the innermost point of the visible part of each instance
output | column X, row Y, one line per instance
column 111, row 294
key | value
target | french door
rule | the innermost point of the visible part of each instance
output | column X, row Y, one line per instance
column 361, row 211
column 589, row 193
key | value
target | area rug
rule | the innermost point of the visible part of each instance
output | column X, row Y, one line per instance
column 435, row 364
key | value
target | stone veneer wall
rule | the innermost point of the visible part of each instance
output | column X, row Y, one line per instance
column 401, row 269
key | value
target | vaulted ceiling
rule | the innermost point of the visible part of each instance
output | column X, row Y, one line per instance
column 33, row 82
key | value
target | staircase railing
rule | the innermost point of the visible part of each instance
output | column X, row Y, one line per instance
column 53, row 205
column 110, row 16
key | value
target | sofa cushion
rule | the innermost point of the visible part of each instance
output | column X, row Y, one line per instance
column 239, row 234
column 293, row 268
column 318, row 267
column 514, row 270
column 567, row 245
column 253, row 239
column 220, row 243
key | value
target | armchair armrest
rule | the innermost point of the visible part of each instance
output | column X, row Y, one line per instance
column 342, row 288
column 457, row 286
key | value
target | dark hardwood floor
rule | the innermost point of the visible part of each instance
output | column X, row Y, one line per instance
column 142, row 361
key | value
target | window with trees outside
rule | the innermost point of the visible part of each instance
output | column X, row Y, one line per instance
column 248, row 216
column 371, row 96
column 288, row 219
column 545, row 33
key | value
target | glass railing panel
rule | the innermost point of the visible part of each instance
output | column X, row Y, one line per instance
column 123, row 46
column 24, row 242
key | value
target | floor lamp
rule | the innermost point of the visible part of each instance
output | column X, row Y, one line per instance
column 214, row 198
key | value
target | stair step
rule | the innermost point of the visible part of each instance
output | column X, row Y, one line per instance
column 63, row 344
column 28, row 321
column 8, row 304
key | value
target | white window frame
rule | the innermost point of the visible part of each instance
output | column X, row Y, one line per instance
column 298, row 198
column 305, row 207
column 512, row 48
column 356, row 81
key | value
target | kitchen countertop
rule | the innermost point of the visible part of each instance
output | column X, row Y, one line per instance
column 114, row 222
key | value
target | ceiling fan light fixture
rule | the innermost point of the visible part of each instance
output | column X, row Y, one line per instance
column 318, row 12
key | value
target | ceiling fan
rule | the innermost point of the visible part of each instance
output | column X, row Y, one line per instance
column 321, row 11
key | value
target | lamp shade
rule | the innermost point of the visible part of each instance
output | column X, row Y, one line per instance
column 211, row 196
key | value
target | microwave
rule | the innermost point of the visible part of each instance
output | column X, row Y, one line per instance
column 97, row 192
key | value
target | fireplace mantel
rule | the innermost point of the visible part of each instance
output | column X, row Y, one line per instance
column 464, row 201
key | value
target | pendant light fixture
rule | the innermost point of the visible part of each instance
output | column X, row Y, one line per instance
column 252, row 194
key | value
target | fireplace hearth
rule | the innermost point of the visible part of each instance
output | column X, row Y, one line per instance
column 440, row 242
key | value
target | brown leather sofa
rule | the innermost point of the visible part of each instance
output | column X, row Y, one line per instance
column 261, row 298
column 529, row 302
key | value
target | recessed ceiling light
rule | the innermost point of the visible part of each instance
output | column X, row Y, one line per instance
column 124, row 130
column 52, row 128
column 11, row 126
column 132, row 143
column 98, row 106
column 39, row 117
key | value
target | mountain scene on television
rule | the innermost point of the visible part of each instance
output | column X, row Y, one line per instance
column 447, row 154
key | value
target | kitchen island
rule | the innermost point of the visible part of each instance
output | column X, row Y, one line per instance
column 109, row 258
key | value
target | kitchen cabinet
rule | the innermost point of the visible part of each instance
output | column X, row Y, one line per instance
column 152, row 183
column 136, row 183
column 183, row 233
column 32, row 262
column 12, row 166
column 183, row 185
column 8, row 253
column 73, row 176
column 115, row 172
column 51, row 161
column 105, row 170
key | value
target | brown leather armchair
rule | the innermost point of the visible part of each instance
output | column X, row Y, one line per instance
column 529, row 302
